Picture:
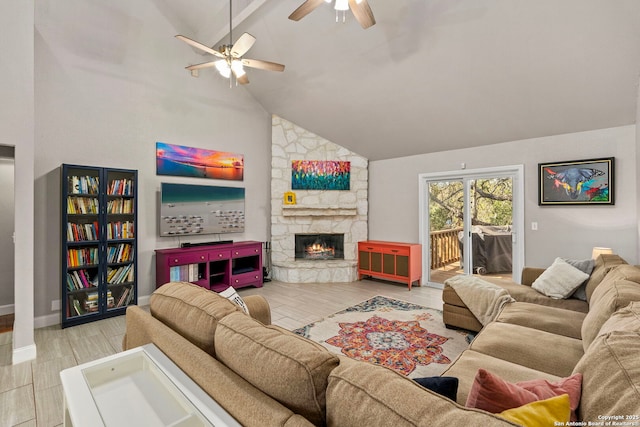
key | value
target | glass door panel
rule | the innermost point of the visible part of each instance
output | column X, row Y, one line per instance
column 491, row 212
column 446, row 229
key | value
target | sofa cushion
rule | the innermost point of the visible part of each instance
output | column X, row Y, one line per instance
column 610, row 376
column 529, row 347
column 626, row 319
column 560, row 280
column 467, row 365
column 542, row 413
column 617, row 290
column 285, row 366
column 549, row 319
column 522, row 293
column 362, row 394
column 491, row 393
column 190, row 310
column 603, row 264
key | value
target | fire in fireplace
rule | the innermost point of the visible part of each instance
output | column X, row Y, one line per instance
column 319, row 246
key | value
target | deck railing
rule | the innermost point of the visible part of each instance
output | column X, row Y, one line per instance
column 445, row 247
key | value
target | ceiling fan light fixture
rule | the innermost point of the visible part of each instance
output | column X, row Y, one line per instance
column 223, row 68
column 238, row 69
column 342, row 5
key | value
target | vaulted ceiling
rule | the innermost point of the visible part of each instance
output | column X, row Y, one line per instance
column 434, row 75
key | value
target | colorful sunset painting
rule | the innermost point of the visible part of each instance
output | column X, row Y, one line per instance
column 178, row 160
column 320, row 175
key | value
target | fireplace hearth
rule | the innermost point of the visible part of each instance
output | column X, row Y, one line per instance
column 319, row 246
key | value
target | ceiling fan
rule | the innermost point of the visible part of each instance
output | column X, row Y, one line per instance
column 360, row 9
column 230, row 60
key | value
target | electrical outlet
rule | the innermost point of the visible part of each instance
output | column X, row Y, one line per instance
column 55, row 305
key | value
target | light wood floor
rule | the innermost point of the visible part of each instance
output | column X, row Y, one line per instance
column 440, row 274
column 31, row 393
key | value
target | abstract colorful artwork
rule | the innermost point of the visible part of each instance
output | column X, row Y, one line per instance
column 320, row 175
column 576, row 182
column 178, row 160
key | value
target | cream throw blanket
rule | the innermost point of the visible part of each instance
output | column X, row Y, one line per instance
column 485, row 300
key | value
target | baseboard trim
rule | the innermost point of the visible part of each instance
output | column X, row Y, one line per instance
column 54, row 319
column 24, row 354
column 7, row 309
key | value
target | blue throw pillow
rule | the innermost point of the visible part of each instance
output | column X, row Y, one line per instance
column 445, row 386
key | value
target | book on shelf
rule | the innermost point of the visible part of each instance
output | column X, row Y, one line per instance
column 125, row 297
column 120, row 230
column 82, row 232
column 82, row 205
column 120, row 187
column 79, row 279
column 77, row 309
column 80, row 257
column 184, row 273
column 119, row 275
column 83, row 185
column 120, row 206
column 119, row 253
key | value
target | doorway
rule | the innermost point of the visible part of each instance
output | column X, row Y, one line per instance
column 7, row 225
column 471, row 223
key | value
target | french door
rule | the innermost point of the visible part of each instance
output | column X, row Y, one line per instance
column 471, row 223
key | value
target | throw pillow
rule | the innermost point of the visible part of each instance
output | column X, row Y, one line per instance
column 493, row 394
column 543, row 413
column 560, row 280
column 586, row 266
column 444, row 386
column 231, row 294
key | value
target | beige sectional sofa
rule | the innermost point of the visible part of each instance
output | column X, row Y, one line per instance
column 264, row 375
column 456, row 314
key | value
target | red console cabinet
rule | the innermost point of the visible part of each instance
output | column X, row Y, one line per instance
column 401, row 262
column 214, row 267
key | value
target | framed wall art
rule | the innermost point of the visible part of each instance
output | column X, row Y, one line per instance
column 576, row 182
column 179, row 160
column 320, row 175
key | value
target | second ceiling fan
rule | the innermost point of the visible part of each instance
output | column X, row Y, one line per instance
column 359, row 8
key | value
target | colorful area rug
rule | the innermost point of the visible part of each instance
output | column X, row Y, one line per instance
column 408, row 338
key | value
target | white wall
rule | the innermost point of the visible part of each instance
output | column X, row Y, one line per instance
column 17, row 124
column 569, row 231
column 110, row 83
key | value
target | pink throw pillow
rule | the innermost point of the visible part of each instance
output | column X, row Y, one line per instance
column 493, row 394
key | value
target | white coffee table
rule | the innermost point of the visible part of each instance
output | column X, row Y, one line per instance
column 138, row 387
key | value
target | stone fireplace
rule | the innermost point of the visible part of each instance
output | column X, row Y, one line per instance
column 319, row 246
column 316, row 212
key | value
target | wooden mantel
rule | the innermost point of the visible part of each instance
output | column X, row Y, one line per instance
column 319, row 210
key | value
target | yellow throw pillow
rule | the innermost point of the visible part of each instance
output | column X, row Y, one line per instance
column 541, row 413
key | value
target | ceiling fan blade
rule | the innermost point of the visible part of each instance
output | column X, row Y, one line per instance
column 243, row 79
column 243, row 44
column 203, row 65
column 263, row 65
column 363, row 13
column 199, row 45
column 304, row 9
